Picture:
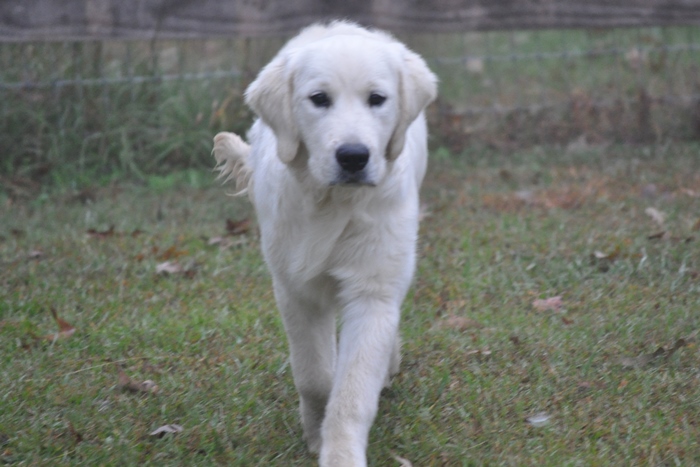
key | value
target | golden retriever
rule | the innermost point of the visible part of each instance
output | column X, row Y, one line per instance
column 333, row 168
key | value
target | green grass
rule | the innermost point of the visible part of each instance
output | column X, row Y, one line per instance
column 501, row 232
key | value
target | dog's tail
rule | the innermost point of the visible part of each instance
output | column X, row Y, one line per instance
column 231, row 154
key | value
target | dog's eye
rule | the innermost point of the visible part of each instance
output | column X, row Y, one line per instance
column 320, row 99
column 376, row 100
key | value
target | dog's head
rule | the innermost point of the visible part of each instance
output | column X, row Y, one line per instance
column 347, row 96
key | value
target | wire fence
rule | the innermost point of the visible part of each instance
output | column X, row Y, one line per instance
column 144, row 106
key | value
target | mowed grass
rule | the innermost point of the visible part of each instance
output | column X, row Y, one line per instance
column 500, row 232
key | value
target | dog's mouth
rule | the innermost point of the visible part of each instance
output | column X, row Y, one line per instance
column 353, row 179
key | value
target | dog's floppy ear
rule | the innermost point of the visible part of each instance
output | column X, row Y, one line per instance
column 417, row 89
column 270, row 97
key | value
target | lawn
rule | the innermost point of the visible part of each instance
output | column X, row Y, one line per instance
column 552, row 320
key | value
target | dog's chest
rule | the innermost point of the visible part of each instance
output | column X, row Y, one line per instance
column 315, row 242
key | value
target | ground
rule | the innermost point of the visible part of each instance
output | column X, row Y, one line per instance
column 552, row 320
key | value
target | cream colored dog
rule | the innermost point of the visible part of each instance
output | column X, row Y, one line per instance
column 334, row 167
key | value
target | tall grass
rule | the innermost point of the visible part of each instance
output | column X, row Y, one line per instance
column 85, row 111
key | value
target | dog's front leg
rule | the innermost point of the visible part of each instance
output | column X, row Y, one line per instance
column 312, row 352
column 367, row 342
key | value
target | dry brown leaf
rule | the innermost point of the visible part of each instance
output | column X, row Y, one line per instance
column 604, row 260
column 552, row 303
column 77, row 437
column 171, row 253
column 237, row 227
column 101, row 233
column 696, row 226
column 657, row 235
column 127, row 384
column 65, row 329
column 461, row 323
column 225, row 242
column 166, row 429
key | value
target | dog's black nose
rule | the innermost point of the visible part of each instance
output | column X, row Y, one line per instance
column 352, row 157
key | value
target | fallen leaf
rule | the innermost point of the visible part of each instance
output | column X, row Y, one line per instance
column 166, row 429
column 552, row 303
column 479, row 352
column 215, row 241
column 128, row 385
column 643, row 360
column 171, row 253
column 77, row 437
column 65, row 329
column 237, row 227
column 515, row 340
column 584, row 386
column 101, row 233
column 403, row 461
column 538, row 420
column 604, row 260
column 612, row 256
column 696, row 226
column 656, row 215
column 169, row 267
column 35, row 254
column 225, row 243
column 657, row 235
column 461, row 323
column 640, row 361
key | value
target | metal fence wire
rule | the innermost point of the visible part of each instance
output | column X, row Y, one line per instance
column 142, row 106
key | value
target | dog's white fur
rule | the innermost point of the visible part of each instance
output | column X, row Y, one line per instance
column 336, row 248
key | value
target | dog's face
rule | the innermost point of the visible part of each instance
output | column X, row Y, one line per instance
column 347, row 100
column 346, row 106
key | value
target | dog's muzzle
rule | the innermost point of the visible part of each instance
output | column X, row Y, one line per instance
column 352, row 159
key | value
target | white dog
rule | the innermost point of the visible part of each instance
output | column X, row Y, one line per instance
column 334, row 167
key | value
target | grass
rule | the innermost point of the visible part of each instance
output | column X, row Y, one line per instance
column 501, row 231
